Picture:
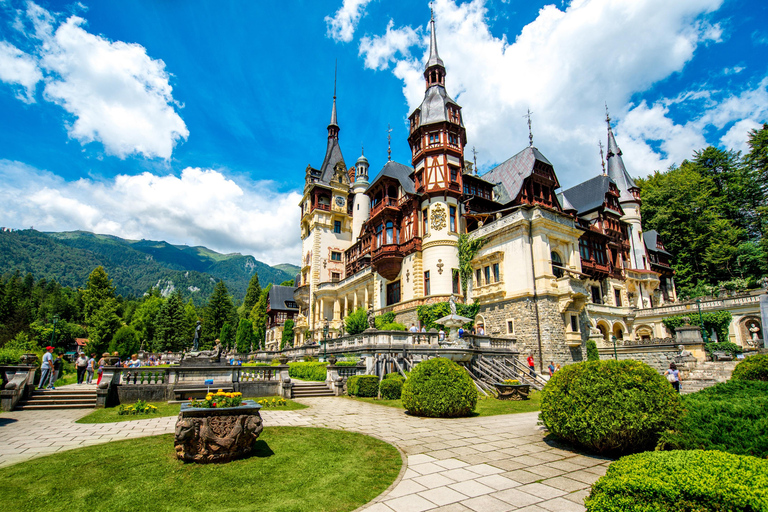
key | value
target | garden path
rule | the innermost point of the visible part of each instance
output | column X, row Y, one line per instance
column 488, row 464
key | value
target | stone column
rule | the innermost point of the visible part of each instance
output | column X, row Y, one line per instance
column 366, row 302
column 336, row 310
column 346, row 306
column 354, row 301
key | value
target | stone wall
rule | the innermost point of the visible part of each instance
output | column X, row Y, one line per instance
column 523, row 313
column 657, row 357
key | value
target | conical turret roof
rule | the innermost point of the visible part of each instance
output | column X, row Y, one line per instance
column 616, row 170
column 434, row 58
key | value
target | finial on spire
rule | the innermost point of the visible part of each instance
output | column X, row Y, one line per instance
column 474, row 157
column 431, row 11
column 333, row 127
column 530, row 130
column 335, row 69
column 607, row 116
column 389, row 143
column 362, row 149
column 602, row 159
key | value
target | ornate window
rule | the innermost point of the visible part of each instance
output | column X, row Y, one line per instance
column 335, row 256
column 390, row 236
column 427, row 287
column 337, row 226
column 557, row 263
column 453, row 218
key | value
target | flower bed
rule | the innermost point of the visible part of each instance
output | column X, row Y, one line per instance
column 219, row 399
column 140, row 407
column 275, row 402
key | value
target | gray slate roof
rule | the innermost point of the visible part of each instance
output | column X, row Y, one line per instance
column 332, row 157
column 279, row 295
column 617, row 171
column 589, row 195
column 512, row 173
column 434, row 58
column 400, row 172
column 434, row 107
column 650, row 238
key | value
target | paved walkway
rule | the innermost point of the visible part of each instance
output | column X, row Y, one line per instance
column 491, row 464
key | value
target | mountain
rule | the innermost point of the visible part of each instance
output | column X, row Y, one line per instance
column 293, row 270
column 134, row 265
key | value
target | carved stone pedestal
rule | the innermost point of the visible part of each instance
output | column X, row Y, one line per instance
column 512, row 391
column 217, row 435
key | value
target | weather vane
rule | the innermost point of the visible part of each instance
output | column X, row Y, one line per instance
column 602, row 160
column 474, row 156
column 530, row 131
column 389, row 143
column 607, row 116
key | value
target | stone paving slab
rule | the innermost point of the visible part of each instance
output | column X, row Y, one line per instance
column 496, row 463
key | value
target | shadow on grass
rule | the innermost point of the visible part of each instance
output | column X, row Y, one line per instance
column 555, row 442
column 261, row 449
column 7, row 421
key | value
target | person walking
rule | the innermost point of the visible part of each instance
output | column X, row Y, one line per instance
column 90, row 369
column 673, row 376
column 82, row 364
column 46, row 370
column 58, row 364
column 531, row 366
column 551, row 368
column 102, row 363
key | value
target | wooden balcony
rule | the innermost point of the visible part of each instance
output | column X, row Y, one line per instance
column 357, row 258
column 412, row 245
column 594, row 268
column 386, row 203
column 387, row 260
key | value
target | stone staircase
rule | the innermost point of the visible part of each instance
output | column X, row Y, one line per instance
column 310, row 389
column 59, row 399
column 706, row 374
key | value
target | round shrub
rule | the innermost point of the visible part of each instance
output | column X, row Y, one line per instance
column 684, row 480
column 363, row 385
column 439, row 388
column 752, row 368
column 592, row 352
column 393, row 375
column 730, row 416
column 391, row 388
column 609, row 406
column 352, row 389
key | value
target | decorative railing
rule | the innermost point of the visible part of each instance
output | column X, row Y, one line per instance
column 257, row 373
column 143, row 376
column 387, row 202
column 387, row 251
column 593, row 266
column 347, row 371
column 412, row 245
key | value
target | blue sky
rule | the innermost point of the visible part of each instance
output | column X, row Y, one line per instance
column 194, row 121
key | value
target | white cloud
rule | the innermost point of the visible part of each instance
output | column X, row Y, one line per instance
column 200, row 207
column 18, row 68
column 563, row 66
column 379, row 51
column 736, row 137
column 115, row 93
column 341, row 27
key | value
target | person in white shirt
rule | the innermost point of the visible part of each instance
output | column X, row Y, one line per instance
column 81, row 363
column 47, row 369
column 414, row 328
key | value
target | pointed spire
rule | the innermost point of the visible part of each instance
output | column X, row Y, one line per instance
column 333, row 127
column 434, row 58
column 616, row 170
column 530, row 130
column 389, row 143
column 474, row 157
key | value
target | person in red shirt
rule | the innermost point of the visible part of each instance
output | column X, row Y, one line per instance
column 531, row 365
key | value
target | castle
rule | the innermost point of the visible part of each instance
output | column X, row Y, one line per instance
column 555, row 269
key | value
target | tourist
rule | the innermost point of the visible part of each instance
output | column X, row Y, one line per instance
column 82, row 364
column 135, row 362
column 58, row 364
column 557, row 368
column 117, row 355
column 461, row 332
column 413, row 328
column 551, row 368
column 47, row 369
column 102, row 363
column 423, row 328
column 673, row 376
column 480, row 330
column 531, row 366
column 441, row 335
column 90, row 369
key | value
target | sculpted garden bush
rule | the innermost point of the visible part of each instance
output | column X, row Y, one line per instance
column 752, row 368
column 609, row 406
column 439, row 388
column 682, row 481
column 392, row 386
column 363, row 385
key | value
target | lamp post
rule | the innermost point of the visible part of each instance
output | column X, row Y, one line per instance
column 615, row 356
column 701, row 322
column 53, row 335
column 325, row 337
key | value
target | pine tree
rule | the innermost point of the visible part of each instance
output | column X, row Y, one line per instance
column 227, row 335
column 172, row 332
column 287, row 339
column 258, row 318
column 97, row 291
column 100, row 308
column 218, row 311
column 145, row 318
column 245, row 336
column 251, row 296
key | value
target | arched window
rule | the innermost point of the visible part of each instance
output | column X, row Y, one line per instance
column 557, row 263
column 390, row 234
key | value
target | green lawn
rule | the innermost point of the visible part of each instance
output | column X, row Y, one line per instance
column 485, row 406
column 165, row 409
column 295, row 469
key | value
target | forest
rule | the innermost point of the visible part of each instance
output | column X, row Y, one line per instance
column 29, row 309
column 712, row 214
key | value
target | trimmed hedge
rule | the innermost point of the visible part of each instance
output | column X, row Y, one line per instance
column 392, row 388
column 682, row 481
column 363, row 385
column 592, row 353
column 393, row 375
column 723, row 346
column 439, row 388
column 609, row 406
column 314, row 371
column 730, row 416
column 752, row 368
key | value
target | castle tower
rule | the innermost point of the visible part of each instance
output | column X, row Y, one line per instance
column 629, row 199
column 361, row 205
column 437, row 139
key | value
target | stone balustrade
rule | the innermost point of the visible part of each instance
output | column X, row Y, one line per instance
column 18, row 382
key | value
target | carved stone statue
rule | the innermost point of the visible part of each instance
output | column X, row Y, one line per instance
column 683, row 352
column 371, row 319
column 204, row 356
column 196, row 341
column 755, row 330
column 220, row 438
column 452, row 304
